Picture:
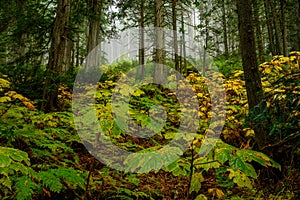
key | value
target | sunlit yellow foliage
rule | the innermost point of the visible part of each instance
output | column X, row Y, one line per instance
column 12, row 95
column 4, row 84
column 15, row 96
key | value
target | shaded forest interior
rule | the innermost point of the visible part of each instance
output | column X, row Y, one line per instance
column 240, row 59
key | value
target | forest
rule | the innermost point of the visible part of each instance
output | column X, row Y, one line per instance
column 162, row 99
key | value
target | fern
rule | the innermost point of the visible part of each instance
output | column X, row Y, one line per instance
column 24, row 188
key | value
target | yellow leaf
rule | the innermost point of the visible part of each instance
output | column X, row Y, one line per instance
column 231, row 173
column 201, row 114
column 265, row 83
column 210, row 190
column 278, row 68
column 237, row 73
column 29, row 105
column 200, row 95
column 204, row 109
column 250, row 132
column 4, row 99
column 267, row 70
column 219, row 193
column 266, row 90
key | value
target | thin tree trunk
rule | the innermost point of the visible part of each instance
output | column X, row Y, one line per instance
column 250, row 65
column 73, row 53
column 217, row 45
column 204, row 68
column 21, row 34
column 56, row 56
column 175, row 42
column 67, row 56
column 284, row 29
column 184, row 66
column 141, row 71
column 258, row 32
column 279, row 47
column 269, row 27
column 77, row 51
column 159, row 74
column 225, row 38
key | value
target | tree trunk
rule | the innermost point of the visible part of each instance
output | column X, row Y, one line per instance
column 298, row 46
column 204, row 67
column 77, row 63
column 250, row 65
column 284, row 31
column 21, row 34
column 141, row 69
column 175, row 42
column 258, row 32
column 159, row 74
column 225, row 38
column 279, row 47
column 56, row 56
column 269, row 27
column 217, row 45
column 67, row 55
column 93, row 59
column 183, row 68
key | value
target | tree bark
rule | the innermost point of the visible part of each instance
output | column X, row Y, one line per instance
column 204, row 67
column 225, row 38
column 159, row 74
column 298, row 46
column 284, row 29
column 21, row 34
column 183, row 68
column 279, row 47
column 258, row 32
column 94, row 33
column 175, row 42
column 269, row 27
column 141, row 69
column 56, row 56
column 250, row 65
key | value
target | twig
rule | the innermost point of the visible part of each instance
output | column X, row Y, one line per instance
column 289, row 137
column 88, row 179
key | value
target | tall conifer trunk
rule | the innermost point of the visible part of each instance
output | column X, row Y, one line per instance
column 250, row 65
column 56, row 56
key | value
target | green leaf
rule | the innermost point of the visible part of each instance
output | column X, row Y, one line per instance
column 242, row 180
column 19, row 156
column 206, row 163
column 5, row 181
column 223, row 155
column 24, row 188
column 50, row 181
column 197, row 178
column 201, row 197
column 152, row 161
column 133, row 179
column 262, row 159
column 237, row 164
column 249, row 170
column 4, row 160
column 138, row 93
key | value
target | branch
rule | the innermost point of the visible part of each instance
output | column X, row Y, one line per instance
column 289, row 137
